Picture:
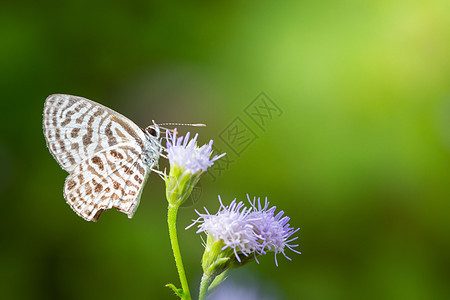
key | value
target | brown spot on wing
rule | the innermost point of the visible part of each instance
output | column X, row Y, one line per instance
column 62, row 145
column 98, row 188
column 87, row 138
column 97, row 160
column 116, row 154
column 138, row 179
column 128, row 170
column 74, row 132
column 111, row 138
column 71, row 184
column 71, row 197
column 116, row 185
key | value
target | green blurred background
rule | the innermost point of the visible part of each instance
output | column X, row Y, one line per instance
column 359, row 157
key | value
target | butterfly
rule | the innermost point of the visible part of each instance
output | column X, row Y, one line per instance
column 107, row 156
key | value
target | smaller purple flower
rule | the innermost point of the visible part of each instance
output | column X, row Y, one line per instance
column 186, row 154
column 187, row 163
column 255, row 230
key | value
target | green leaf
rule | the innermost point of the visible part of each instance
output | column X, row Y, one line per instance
column 177, row 291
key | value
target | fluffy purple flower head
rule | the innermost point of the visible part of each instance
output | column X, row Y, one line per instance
column 230, row 224
column 255, row 230
column 186, row 154
column 273, row 230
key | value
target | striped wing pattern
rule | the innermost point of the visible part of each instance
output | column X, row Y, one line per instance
column 111, row 178
column 103, row 152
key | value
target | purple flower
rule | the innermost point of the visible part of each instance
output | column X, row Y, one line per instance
column 186, row 154
column 187, row 163
column 231, row 226
column 255, row 230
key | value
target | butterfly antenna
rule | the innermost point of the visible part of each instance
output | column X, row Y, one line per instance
column 183, row 124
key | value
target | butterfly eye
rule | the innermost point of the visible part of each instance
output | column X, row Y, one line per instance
column 152, row 131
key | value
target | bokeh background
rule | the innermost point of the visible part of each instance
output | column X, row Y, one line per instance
column 358, row 156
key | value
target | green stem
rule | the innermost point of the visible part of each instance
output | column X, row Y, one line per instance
column 172, row 221
column 204, row 284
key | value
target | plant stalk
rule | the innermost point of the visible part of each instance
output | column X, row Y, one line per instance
column 172, row 222
column 204, row 285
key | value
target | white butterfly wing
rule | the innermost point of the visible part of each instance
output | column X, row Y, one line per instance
column 103, row 152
